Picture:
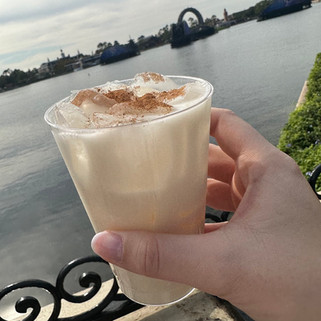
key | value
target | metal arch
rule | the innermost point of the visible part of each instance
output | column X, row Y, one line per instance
column 192, row 10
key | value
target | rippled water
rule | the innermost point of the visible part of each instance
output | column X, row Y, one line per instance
column 257, row 69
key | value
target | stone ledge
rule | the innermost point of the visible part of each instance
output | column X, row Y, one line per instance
column 198, row 306
column 304, row 90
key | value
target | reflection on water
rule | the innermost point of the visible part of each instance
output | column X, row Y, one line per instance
column 257, row 70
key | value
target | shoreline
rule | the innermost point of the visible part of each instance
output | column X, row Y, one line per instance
column 302, row 97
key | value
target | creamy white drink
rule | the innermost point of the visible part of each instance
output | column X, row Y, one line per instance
column 137, row 153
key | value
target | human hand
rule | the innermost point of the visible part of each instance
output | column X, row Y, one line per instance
column 266, row 260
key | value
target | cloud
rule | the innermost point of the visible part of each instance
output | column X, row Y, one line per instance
column 18, row 10
column 32, row 31
column 70, row 30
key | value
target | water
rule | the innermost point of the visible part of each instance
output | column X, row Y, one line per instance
column 257, row 69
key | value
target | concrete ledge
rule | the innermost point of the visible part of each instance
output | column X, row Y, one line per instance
column 303, row 94
column 198, row 306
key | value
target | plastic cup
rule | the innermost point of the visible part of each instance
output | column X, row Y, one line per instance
column 143, row 176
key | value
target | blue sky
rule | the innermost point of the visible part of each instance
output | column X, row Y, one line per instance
column 33, row 31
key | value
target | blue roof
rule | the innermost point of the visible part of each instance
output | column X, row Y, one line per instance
column 280, row 4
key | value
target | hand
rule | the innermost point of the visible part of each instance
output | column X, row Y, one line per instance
column 267, row 259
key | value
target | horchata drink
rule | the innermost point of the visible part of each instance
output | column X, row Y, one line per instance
column 137, row 153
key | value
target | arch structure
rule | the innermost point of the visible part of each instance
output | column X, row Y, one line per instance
column 192, row 10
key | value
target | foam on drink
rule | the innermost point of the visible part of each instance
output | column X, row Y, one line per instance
column 149, row 96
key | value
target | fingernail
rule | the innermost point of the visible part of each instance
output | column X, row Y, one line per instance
column 108, row 245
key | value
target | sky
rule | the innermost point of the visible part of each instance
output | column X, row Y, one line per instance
column 36, row 30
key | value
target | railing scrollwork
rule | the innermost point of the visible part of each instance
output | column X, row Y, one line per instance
column 89, row 280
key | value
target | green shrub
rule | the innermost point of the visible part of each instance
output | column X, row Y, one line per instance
column 303, row 128
column 308, row 159
column 301, row 135
column 314, row 80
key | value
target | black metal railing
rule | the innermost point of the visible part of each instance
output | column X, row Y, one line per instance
column 90, row 280
column 313, row 179
column 112, row 305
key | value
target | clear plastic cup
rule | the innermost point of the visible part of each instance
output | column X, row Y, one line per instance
column 143, row 176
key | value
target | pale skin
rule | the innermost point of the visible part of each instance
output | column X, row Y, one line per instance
column 267, row 259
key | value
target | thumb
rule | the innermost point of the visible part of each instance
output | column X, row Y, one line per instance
column 196, row 260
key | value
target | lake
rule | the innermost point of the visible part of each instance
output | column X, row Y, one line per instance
column 257, row 70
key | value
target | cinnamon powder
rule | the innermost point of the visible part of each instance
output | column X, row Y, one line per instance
column 120, row 95
column 148, row 76
column 126, row 102
column 172, row 94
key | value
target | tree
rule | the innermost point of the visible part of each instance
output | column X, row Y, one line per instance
column 101, row 47
column 192, row 22
column 164, row 34
column 7, row 72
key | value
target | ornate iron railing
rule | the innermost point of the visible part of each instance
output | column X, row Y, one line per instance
column 106, row 309
column 313, row 179
column 90, row 280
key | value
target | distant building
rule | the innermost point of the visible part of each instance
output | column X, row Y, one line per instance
column 45, row 69
column 119, row 52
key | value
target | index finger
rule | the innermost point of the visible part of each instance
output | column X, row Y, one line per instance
column 235, row 136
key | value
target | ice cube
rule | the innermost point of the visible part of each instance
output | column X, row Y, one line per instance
column 111, row 86
column 82, row 95
column 103, row 100
column 91, row 101
column 140, row 91
column 154, row 80
column 89, row 108
column 103, row 120
column 71, row 116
